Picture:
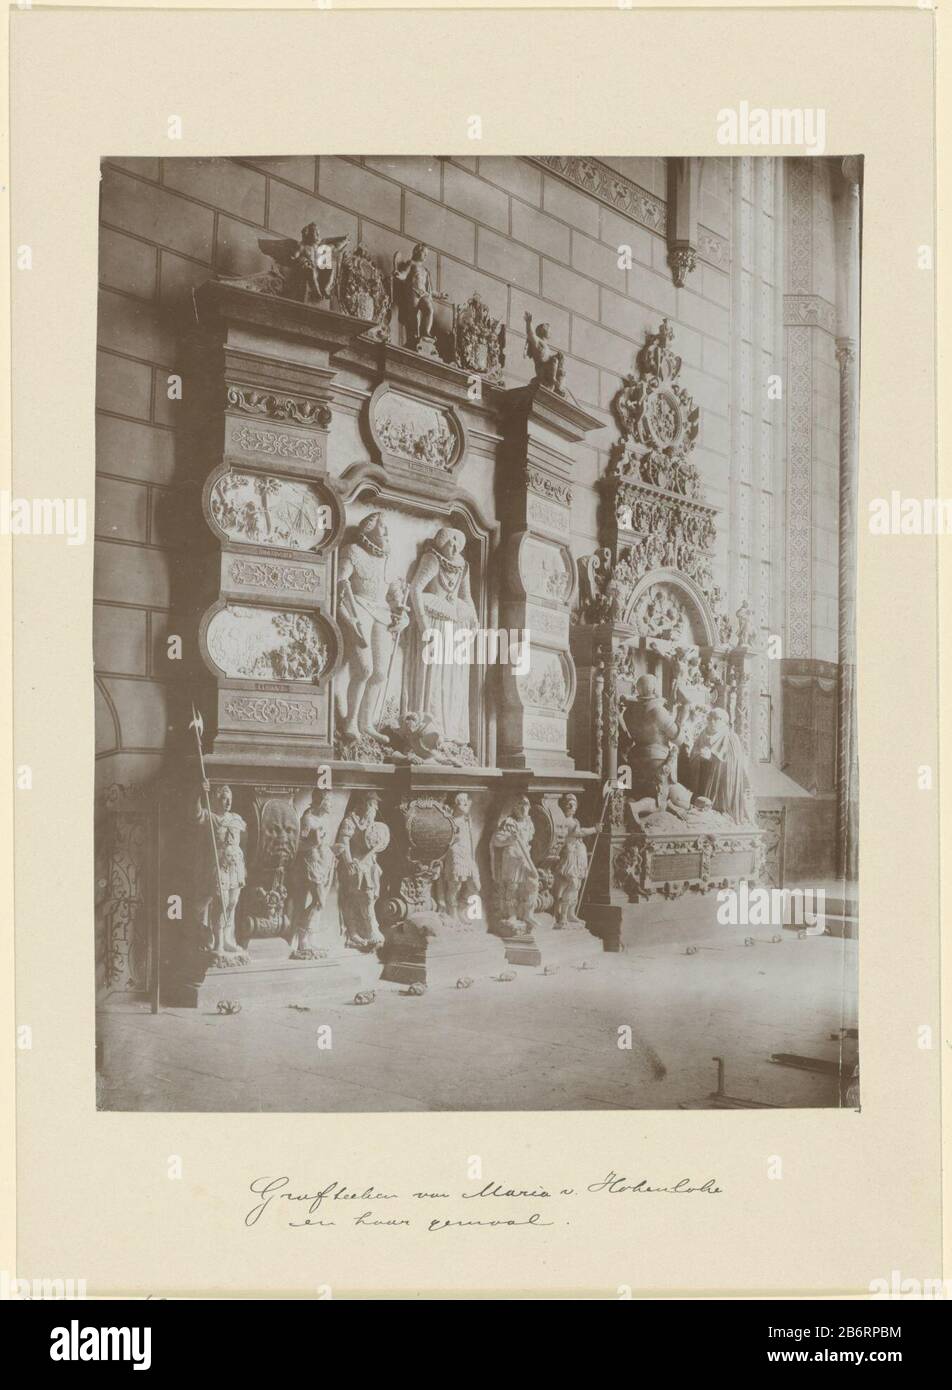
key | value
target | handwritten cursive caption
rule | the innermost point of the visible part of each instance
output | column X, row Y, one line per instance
column 338, row 1204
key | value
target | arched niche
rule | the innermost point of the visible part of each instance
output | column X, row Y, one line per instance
column 697, row 622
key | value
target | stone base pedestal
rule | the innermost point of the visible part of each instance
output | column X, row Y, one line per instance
column 272, row 975
column 430, row 949
column 522, row 949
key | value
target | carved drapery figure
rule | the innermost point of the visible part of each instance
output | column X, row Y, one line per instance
column 549, row 362
column 413, row 288
column 360, row 839
column 460, row 874
column 572, row 865
column 514, row 874
column 371, row 619
column 221, row 875
column 311, row 875
column 721, row 764
column 437, row 683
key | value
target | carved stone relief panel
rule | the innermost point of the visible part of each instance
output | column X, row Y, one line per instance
column 268, row 510
column 549, row 684
column 545, row 571
column 255, row 643
column 410, row 603
column 415, row 435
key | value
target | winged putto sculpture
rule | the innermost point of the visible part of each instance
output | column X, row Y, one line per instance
column 305, row 270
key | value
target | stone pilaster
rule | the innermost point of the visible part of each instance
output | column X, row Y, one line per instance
column 847, row 356
column 268, row 636
column 538, row 578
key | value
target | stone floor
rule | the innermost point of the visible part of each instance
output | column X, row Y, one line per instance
column 541, row 1041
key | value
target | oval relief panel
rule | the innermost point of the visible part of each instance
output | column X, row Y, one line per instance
column 269, row 644
column 259, row 509
column 423, row 435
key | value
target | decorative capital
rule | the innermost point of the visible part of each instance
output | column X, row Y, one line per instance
column 845, row 353
column 683, row 262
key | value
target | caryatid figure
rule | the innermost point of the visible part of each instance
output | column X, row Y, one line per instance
column 460, row 874
column 371, row 618
column 514, row 874
column 573, row 865
column 414, row 286
column 311, row 874
column 360, row 839
column 221, row 874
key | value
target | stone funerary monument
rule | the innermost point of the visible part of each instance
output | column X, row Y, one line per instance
column 426, row 730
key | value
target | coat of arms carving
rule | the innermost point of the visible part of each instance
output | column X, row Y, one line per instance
column 361, row 289
column 657, row 419
column 479, row 340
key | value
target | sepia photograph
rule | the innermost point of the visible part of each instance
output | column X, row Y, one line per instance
column 474, row 633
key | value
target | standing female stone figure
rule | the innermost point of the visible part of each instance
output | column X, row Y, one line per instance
column 221, row 875
column 573, row 865
column 311, row 875
column 360, row 839
column 442, row 606
column 460, row 870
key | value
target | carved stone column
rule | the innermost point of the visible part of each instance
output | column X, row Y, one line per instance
column 538, row 580
column 684, row 181
column 847, row 767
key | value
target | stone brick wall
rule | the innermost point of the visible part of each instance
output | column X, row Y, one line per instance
column 524, row 238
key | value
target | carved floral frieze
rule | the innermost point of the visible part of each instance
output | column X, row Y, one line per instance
column 270, row 709
column 276, row 444
column 263, row 574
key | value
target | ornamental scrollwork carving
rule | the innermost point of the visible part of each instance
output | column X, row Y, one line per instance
column 657, row 419
column 554, row 489
column 296, row 409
